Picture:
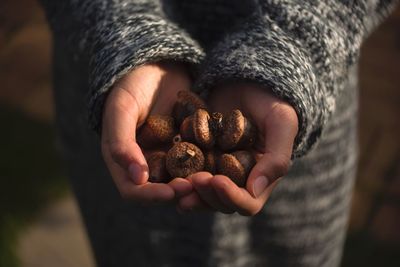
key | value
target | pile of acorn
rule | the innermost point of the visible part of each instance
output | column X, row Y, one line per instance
column 213, row 142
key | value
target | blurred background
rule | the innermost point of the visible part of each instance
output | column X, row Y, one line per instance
column 39, row 220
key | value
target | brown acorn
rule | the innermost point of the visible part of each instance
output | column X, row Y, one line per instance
column 184, row 159
column 186, row 105
column 186, row 129
column 236, row 166
column 157, row 167
column 237, row 132
column 156, row 131
column 197, row 129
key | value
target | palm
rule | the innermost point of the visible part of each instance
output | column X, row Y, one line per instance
column 155, row 91
column 150, row 89
column 277, row 126
column 255, row 104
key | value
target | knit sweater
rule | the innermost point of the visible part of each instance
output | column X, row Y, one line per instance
column 301, row 50
column 305, row 52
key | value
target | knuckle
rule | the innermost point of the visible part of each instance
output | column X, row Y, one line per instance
column 117, row 150
column 285, row 112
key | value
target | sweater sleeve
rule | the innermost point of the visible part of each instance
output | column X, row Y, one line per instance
column 114, row 36
column 301, row 50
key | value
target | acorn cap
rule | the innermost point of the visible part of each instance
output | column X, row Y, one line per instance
column 156, row 131
column 186, row 129
column 236, row 166
column 184, row 159
column 157, row 167
column 186, row 105
column 237, row 133
column 197, row 129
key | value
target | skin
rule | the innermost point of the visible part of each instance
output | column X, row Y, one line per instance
column 149, row 89
column 152, row 89
column 277, row 126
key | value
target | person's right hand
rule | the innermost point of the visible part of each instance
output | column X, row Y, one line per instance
column 149, row 89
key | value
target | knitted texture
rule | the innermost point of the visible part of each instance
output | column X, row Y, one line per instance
column 115, row 37
column 300, row 50
column 304, row 52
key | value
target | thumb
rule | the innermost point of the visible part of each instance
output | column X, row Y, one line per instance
column 120, row 119
column 280, row 132
column 267, row 170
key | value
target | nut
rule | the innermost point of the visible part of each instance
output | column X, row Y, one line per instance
column 157, row 167
column 186, row 129
column 184, row 159
column 236, row 166
column 156, row 131
column 196, row 128
column 237, row 132
column 186, row 105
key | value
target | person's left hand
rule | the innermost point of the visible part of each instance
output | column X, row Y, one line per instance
column 277, row 126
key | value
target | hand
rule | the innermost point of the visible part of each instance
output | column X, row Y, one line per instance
column 149, row 89
column 277, row 126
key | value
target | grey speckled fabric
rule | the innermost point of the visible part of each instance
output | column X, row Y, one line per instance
column 306, row 52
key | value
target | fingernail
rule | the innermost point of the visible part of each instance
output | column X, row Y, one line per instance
column 260, row 184
column 135, row 172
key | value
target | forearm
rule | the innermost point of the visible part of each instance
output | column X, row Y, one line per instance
column 114, row 37
column 301, row 51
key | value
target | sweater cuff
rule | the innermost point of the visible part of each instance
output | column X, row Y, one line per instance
column 264, row 54
column 137, row 41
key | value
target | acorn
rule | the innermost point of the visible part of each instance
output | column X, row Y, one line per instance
column 237, row 132
column 158, row 130
column 157, row 167
column 197, row 129
column 186, row 105
column 184, row 159
column 236, row 166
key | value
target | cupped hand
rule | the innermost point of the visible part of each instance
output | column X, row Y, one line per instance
column 277, row 126
column 149, row 89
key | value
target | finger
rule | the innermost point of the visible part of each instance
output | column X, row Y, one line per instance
column 280, row 132
column 118, row 135
column 148, row 193
column 202, row 184
column 182, row 187
column 192, row 202
column 238, row 198
column 145, row 193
